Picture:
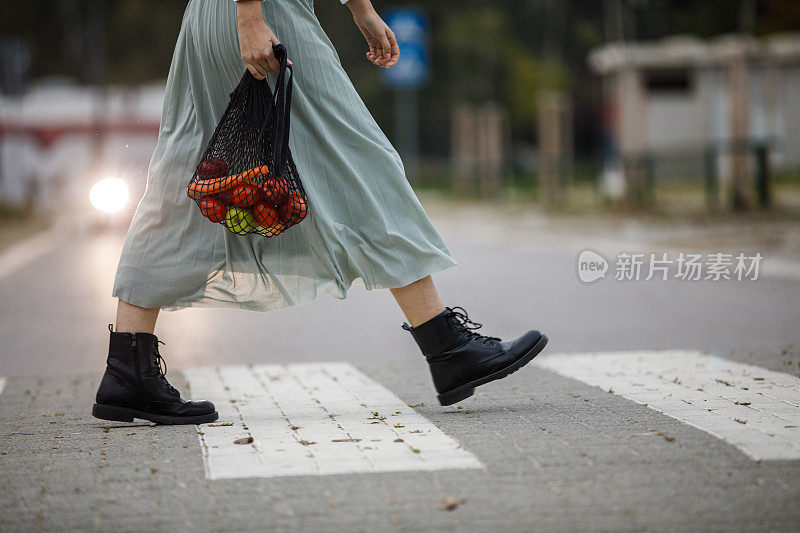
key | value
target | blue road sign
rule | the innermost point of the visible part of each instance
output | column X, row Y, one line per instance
column 410, row 27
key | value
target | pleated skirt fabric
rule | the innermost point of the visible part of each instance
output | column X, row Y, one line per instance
column 365, row 221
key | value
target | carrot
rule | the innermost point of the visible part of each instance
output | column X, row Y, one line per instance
column 202, row 188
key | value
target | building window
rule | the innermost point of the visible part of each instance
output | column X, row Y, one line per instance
column 670, row 81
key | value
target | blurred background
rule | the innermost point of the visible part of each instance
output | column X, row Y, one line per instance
column 569, row 106
column 533, row 131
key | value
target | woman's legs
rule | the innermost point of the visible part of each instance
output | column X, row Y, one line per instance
column 134, row 319
column 419, row 301
column 459, row 357
column 130, row 388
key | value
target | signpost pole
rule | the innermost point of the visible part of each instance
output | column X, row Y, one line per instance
column 410, row 26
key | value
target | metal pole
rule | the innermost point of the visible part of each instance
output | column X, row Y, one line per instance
column 712, row 180
column 762, row 175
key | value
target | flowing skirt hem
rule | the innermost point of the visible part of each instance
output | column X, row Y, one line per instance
column 330, row 287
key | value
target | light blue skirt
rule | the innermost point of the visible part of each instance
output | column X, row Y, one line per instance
column 365, row 221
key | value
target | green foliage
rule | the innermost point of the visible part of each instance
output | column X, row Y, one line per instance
column 140, row 31
column 477, row 46
column 528, row 77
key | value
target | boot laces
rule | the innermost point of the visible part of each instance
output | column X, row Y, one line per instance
column 463, row 322
column 162, row 369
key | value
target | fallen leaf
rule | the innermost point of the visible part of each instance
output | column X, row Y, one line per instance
column 666, row 438
column 244, row 440
column 399, row 440
column 221, row 424
column 450, row 504
column 345, row 440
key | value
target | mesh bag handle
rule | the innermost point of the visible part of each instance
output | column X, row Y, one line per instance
column 283, row 105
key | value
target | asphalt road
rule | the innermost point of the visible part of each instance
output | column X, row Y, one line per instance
column 559, row 454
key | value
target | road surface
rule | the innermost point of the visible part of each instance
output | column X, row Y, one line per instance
column 548, row 448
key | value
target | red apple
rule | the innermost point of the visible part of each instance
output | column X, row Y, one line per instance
column 275, row 189
column 211, row 168
column 295, row 209
column 266, row 215
column 213, row 209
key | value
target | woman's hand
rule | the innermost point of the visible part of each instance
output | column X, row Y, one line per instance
column 383, row 50
column 256, row 40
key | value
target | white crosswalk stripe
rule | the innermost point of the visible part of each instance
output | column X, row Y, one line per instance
column 2, row 384
column 314, row 419
column 754, row 409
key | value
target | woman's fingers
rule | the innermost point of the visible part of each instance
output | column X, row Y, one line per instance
column 258, row 72
column 272, row 63
column 394, row 54
column 386, row 49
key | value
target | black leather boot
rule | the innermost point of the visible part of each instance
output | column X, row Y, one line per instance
column 460, row 359
column 135, row 385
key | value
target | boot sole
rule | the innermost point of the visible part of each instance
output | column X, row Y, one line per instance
column 465, row 391
column 123, row 414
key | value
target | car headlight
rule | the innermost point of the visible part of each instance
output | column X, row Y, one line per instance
column 109, row 195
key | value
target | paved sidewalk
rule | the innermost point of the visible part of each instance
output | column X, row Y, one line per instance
column 559, row 455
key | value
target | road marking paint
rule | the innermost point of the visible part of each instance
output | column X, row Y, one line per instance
column 27, row 251
column 2, row 384
column 314, row 419
column 756, row 410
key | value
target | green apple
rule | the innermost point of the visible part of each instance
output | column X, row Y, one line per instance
column 240, row 220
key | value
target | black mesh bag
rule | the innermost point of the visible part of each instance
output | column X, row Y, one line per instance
column 246, row 179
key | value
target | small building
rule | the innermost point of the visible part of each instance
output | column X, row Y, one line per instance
column 675, row 101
